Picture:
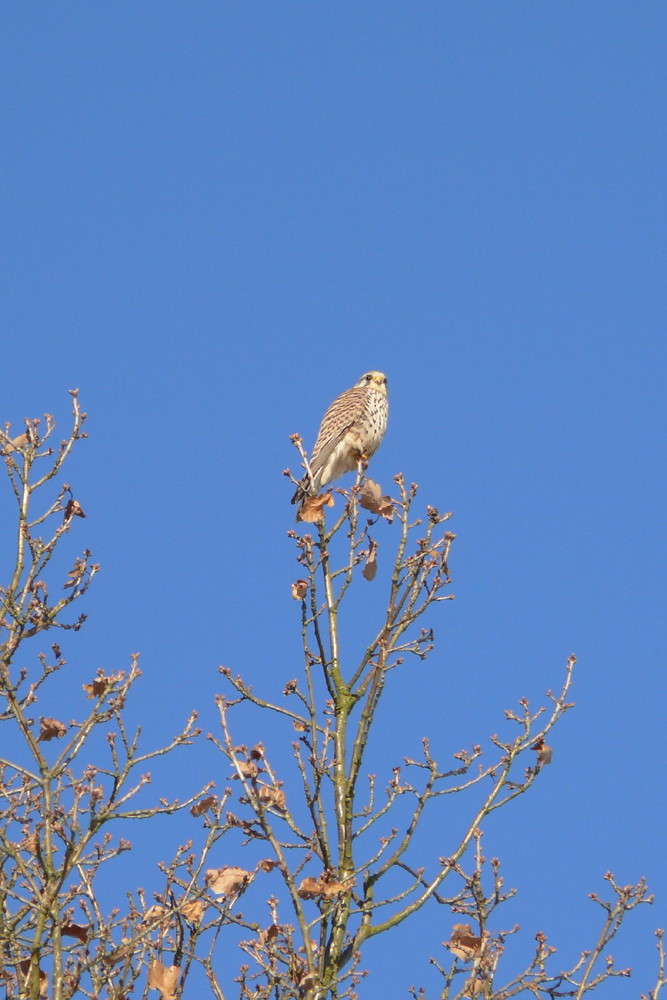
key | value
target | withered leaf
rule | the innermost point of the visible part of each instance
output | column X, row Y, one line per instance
column 268, row 934
column 30, row 842
column 369, row 495
column 75, row 574
column 299, row 726
column 371, row 499
column 299, row 589
column 323, row 887
column 474, row 987
column 267, row 864
column 73, row 509
column 370, row 566
column 194, row 910
column 200, row 807
column 463, row 943
column 154, row 913
column 17, row 443
column 120, row 953
column 97, row 688
column 312, row 508
column 247, row 769
column 78, row 931
column 544, row 752
column 272, row 796
column 331, row 889
column 24, row 968
column 304, row 979
column 226, row 881
column 310, row 888
column 165, row 979
column 50, row 729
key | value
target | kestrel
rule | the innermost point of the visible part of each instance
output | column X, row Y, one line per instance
column 350, row 433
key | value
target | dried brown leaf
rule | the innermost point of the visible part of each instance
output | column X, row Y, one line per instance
column 194, row 910
column 267, row 935
column 50, row 729
column 165, row 979
column 203, row 805
column 306, row 981
column 369, row 495
column 97, row 688
column 73, row 509
column 75, row 574
column 463, row 943
column 544, row 752
column 125, row 948
column 370, row 566
column 24, row 968
column 331, row 889
column 19, row 442
column 310, row 888
column 247, row 769
column 30, row 843
column 78, row 931
column 299, row 589
column 267, row 864
column 272, row 796
column 312, row 508
column 226, row 881
column 323, row 887
column 154, row 913
column 474, row 987
column 371, row 499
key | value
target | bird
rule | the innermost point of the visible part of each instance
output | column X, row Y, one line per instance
column 350, row 433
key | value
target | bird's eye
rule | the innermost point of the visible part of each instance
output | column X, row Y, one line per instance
column 369, row 378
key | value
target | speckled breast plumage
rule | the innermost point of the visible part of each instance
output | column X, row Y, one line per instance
column 351, row 430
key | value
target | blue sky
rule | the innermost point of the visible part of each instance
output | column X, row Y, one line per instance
column 216, row 216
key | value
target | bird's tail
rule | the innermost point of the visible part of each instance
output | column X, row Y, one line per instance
column 302, row 491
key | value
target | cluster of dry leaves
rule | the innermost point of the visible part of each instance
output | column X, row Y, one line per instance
column 165, row 979
column 470, row 947
column 324, row 887
column 227, row 882
column 370, row 498
column 53, row 729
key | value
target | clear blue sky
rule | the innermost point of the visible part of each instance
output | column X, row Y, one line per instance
column 216, row 216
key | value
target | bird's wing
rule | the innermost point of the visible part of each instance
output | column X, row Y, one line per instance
column 343, row 413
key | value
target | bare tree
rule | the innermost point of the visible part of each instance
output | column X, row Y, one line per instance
column 54, row 831
column 333, row 852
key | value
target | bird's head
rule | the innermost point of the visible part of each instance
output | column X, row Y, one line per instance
column 376, row 380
